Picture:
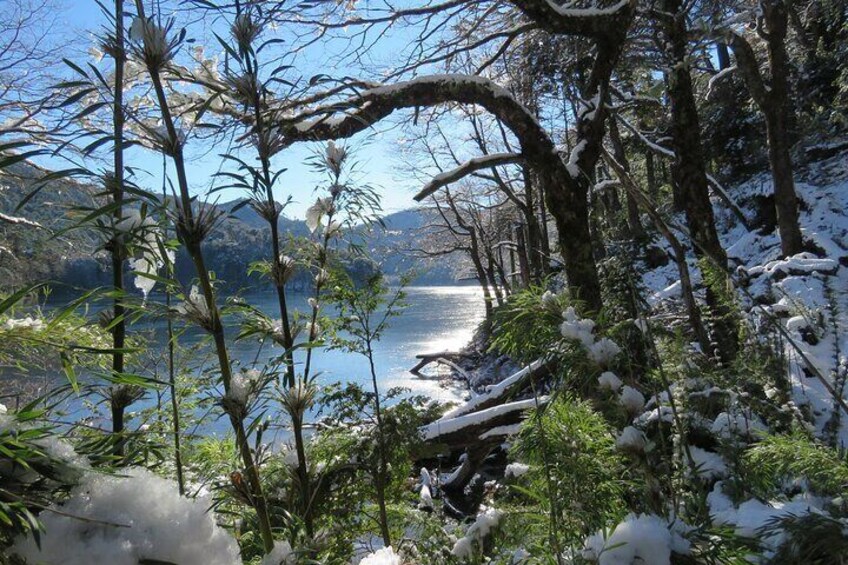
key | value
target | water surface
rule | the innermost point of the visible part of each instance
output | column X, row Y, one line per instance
column 437, row 318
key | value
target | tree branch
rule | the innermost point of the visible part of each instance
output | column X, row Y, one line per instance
column 467, row 168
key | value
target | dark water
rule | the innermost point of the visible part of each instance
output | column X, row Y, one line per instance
column 437, row 318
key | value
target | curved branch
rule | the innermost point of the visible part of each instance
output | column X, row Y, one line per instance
column 370, row 106
column 467, row 168
column 749, row 68
column 586, row 22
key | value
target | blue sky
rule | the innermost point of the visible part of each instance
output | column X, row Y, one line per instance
column 376, row 153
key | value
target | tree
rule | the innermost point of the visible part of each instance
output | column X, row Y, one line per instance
column 690, row 173
column 772, row 98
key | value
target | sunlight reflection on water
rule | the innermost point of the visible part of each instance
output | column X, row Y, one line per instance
column 436, row 319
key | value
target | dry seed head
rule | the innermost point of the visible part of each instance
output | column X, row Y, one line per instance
column 151, row 44
column 283, row 270
column 245, row 30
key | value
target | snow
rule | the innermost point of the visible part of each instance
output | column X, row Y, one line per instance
column 632, row 400
column 576, row 328
column 809, row 285
column 662, row 413
column 567, row 10
column 604, row 351
column 644, row 538
column 751, row 516
column 631, row 439
column 729, row 426
column 280, row 555
column 515, row 470
column 442, row 427
column 29, row 323
column 609, row 381
column 497, row 431
column 383, row 556
column 800, row 264
column 140, row 516
column 708, row 465
column 425, row 497
column 572, row 166
column 493, row 392
column 487, row 520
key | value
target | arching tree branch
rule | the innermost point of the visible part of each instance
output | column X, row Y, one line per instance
column 467, row 168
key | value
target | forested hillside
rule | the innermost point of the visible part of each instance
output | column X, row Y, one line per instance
column 649, row 196
column 76, row 259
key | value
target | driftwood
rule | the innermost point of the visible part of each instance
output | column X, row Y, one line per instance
column 483, row 423
column 503, row 391
column 448, row 358
column 462, row 431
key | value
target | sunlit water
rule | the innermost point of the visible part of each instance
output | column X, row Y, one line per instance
column 435, row 319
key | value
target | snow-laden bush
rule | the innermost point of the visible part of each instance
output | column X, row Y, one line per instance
column 515, row 470
column 631, row 439
column 384, row 556
column 610, row 381
column 487, row 520
column 631, row 399
column 122, row 520
column 644, row 538
column 280, row 555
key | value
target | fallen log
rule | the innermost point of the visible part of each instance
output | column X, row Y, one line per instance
column 447, row 357
column 483, row 423
column 503, row 391
column 462, row 431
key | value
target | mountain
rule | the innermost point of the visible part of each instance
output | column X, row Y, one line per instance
column 31, row 254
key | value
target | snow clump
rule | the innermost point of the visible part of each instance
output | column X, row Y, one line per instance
column 486, row 521
column 516, row 470
column 632, row 400
column 280, row 555
column 609, row 380
column 645, row 537
column 631, row 439
column 384, row 556
column 130, row 519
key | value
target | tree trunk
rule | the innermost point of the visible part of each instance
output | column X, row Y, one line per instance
column 723, row 55
column 778, row 117
column 773, row 101
column 689, row 174
column 634, row 224
column 653, row 190
column 482, row 277
column 535, row 253
column 521, row 249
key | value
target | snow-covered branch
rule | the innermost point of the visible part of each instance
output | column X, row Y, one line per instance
column 467, row 168
column 587, row 22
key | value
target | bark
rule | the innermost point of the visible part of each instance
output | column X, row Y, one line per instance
column 535, row 245
column 482, row 277
column 689, row 174
column 651, row 173
column 723, row 55
column 521, row 249
column 634, row 224
column 490, row 274
column 773, row 101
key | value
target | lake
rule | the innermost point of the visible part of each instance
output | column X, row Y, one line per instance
column 437, row 318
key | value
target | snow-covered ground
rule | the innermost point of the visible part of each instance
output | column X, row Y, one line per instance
column 808, row 293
